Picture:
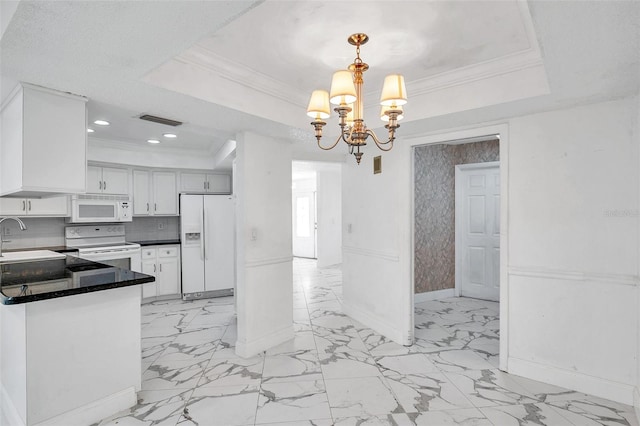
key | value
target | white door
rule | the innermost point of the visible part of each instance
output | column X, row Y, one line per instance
column 304, row 224
column 94, row 179
column 115, row 181
column 51, row 206
column 220, row 184
column 165, row 193
column 141, row 201
column 478, row 230
column 219, row 238
column 193, row 182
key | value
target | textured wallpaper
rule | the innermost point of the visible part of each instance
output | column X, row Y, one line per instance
column 435, row 209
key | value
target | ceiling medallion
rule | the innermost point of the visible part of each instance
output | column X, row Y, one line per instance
column 346, row 93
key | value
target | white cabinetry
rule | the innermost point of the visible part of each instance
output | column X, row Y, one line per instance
column 107, row 180
column 163, row 262
column 154, row 193
column 43, row 143
column 51, row 206
column 205, row 183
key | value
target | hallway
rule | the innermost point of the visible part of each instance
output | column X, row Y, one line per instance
column 337, row 371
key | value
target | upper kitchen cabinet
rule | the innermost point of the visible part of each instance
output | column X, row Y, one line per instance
column 154, row 193
column 35, row 207
column 205, row 183
column 43, row 149
column 107, row 180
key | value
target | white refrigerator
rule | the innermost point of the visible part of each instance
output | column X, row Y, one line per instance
column 207, row 236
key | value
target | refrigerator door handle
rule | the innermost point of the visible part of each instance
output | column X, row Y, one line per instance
column 204, row 231
column 202, row 235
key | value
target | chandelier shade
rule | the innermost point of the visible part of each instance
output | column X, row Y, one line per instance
column 346, row 92
column 394, row 91
column 319, row 105
column 343, row 91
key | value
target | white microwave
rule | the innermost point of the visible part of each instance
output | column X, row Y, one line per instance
column 100, row 208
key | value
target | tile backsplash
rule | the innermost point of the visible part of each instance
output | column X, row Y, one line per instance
column 49, row 231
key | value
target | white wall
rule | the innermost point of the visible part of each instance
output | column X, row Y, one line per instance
column 573, row 248
column 570, row 299
column 377, row 287
column 264, row 263
column 329, row 199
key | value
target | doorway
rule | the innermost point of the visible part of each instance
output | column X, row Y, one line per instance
column 477, row 230
column 305, row 225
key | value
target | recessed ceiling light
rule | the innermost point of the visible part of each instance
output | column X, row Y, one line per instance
column 101, row 122
column 170, row 135
column 153, row 141
column 90, row 130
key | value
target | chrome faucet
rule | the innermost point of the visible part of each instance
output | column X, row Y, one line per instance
column 22, row 227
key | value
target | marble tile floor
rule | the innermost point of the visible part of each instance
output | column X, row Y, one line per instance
column 338, row 372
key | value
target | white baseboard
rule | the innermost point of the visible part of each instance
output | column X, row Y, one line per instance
column 434, row 295
column 603, row 388
column 95, row 411
column 249, row 349
column 377, row 325
column 8, row 411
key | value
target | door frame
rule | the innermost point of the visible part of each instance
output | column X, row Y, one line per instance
column 458, row 217
column 465, row 135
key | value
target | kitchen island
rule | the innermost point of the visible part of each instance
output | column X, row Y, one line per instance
column 70, row 341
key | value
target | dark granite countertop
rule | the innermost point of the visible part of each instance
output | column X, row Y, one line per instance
column 156, row 242
column 25, row 282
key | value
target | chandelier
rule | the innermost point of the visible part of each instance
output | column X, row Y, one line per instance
column 346, row 93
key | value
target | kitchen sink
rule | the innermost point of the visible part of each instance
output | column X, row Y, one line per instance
column 29, row 256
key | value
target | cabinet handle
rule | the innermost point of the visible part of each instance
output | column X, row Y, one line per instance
column 155, row 207
column 100, row 184
column 154, row 267
column 29, row 202
column 147, row 206
column 204, row 184
column 104, row 184
column 161, row 267
column 208, row 185
column 24, row 205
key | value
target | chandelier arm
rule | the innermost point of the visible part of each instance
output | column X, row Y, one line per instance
column 332, row 146
column 347, row 140
column 379, row 143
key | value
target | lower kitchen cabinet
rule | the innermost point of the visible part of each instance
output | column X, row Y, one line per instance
column 163, row 262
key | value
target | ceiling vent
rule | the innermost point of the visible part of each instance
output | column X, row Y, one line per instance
column 160, row 120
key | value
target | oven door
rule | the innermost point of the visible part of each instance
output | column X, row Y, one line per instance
column 129, row 259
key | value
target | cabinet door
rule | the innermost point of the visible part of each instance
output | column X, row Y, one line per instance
column 115, row 181
column 52, row 206
column 13, row 207
column 219, row 184
column 149, row 267
column 169, row 276
column 141, row 199
column 193, row 182
column 94, row 179
column 165, row 195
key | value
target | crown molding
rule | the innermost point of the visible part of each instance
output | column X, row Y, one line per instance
column 202, row 57
column 508, row 64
